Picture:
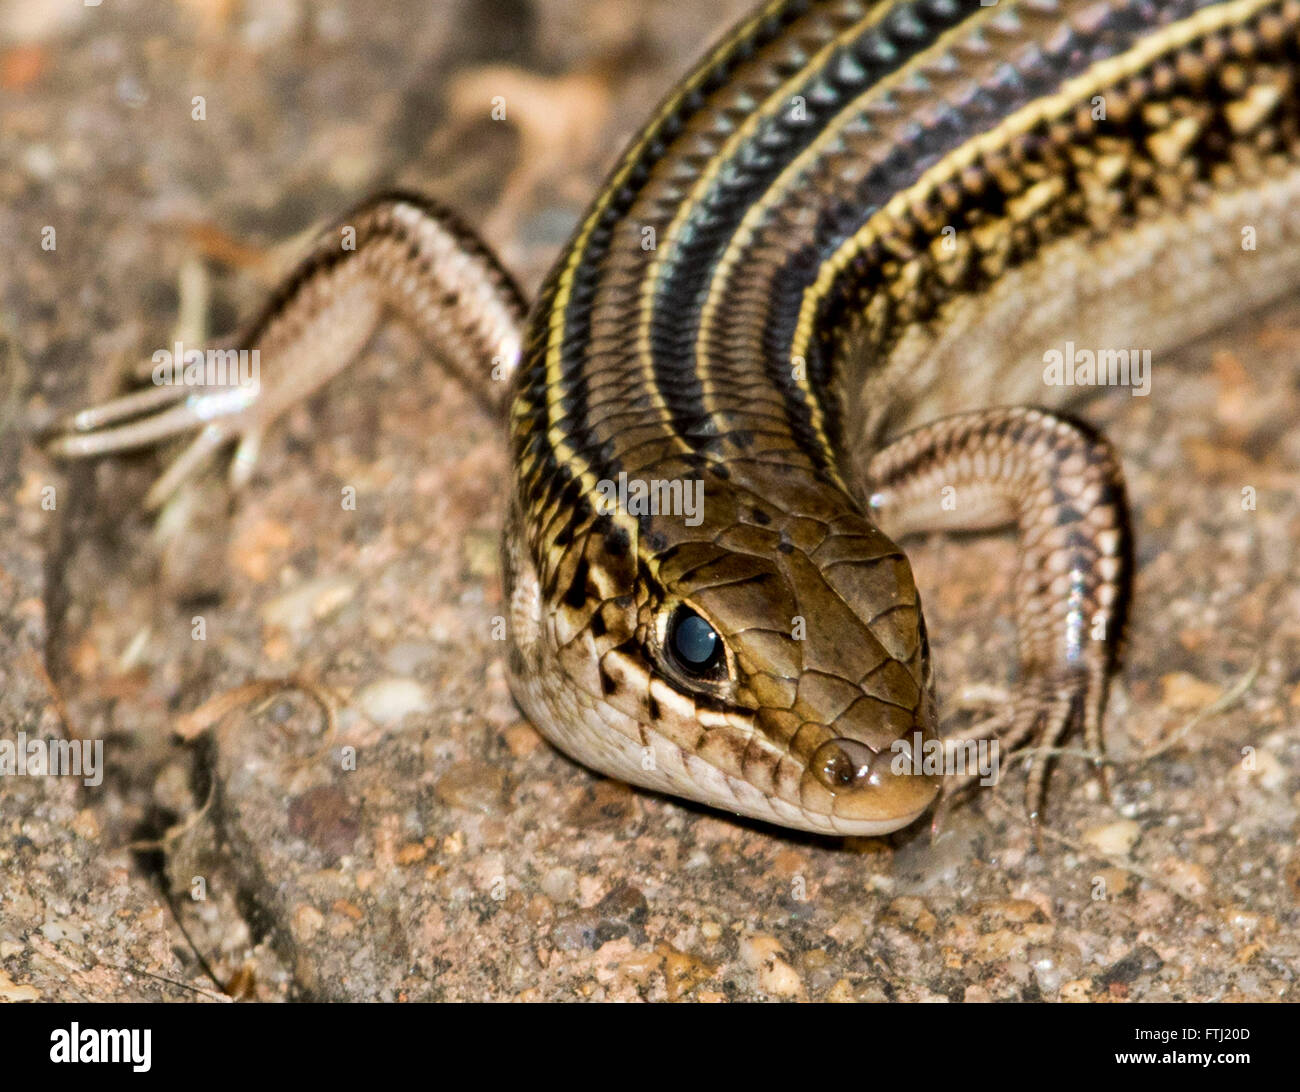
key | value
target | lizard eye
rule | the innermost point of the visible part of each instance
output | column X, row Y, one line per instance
column 693, row 644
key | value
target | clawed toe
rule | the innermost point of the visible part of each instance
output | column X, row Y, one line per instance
column 146, row 417
column 1033, row 726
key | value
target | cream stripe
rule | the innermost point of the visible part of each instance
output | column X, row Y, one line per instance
column 1103, row 74
column 759, row 212
column 564, row 451
column 773, row 106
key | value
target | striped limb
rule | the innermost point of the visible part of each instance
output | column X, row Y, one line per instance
column 1061, row 485
column 394, row 253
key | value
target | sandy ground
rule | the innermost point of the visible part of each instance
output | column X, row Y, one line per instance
column 463, row 857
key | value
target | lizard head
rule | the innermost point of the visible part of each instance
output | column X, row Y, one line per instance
column 777, row 667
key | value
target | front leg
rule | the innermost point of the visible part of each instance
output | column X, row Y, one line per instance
column 1061, row 485
column 394, row 253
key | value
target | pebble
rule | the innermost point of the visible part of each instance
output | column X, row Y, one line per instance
column 307, row 921
column 40, row 162
column 683, row 972
column 846, row 930
column 605, row 805
column 560, row 885
column 1113, row 839
column 474, row 786
column 766, row 957
column 302, row 607
column 1187, row 693
column 326, row 818
column 86, row 825
column 387, row 701
column 522, row 739
column 1188, row 879
column 12, row 991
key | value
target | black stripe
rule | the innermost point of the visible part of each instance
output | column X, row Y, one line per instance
column 531, row 389
column 689, row 270
column 1069, row 55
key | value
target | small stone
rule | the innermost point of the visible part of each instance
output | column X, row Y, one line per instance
column 1189, row 879
column 11, row 991
column 1114, row 882
column 522, row 739
column 1077, row 991
column 639, row 965
column 683, row 972
column 605, row 805
column 624, row 903
column 86, row 825
column 540, row 912
column 847, row 930
column 912, row 913
column 789, row 863
column 411, row 853
column 387, row 701
column 306, row 922
column 1113, row 839
column 576, row 931
column 1046, row 970
column 841, row 993
column 766, row 957
column 326, row 818
column 1187, row 693
column 1248, row 952
column 474, row 786
column 1141, row 961
column 300, row 609
column 560, row 885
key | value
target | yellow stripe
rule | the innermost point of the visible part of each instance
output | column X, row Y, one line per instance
column 759, row 213
column 1103, row 74
column 564, row 452
column 772, row 106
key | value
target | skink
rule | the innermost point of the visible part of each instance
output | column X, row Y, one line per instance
column 767, row 354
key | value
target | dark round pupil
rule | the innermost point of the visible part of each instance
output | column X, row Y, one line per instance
column 694, row 641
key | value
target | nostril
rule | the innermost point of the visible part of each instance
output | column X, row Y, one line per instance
column 843, row 763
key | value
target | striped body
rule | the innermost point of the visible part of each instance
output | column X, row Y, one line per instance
column 853, row 215
column 853, row 218
column 799, row 187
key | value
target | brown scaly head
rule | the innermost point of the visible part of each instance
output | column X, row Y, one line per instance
column 762, row 658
